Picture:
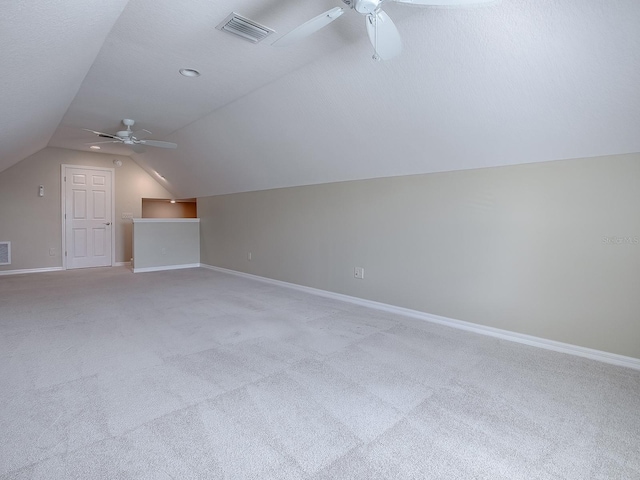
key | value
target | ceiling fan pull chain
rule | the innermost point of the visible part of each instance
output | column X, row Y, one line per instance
column 375, row 56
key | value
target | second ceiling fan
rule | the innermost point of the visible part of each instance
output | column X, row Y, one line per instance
column 383, row 34
column 134, row 140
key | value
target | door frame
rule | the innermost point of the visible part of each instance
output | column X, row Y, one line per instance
column 63, row 198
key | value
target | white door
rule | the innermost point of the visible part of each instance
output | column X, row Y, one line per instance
column 88, row 216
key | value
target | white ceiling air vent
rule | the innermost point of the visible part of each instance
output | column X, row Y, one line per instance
column 5, row 253
column 244, row 28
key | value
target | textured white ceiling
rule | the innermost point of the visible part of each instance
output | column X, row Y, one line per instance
column 46, row 49
column 512, row 82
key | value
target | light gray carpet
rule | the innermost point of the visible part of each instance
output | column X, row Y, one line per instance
column 105, row 374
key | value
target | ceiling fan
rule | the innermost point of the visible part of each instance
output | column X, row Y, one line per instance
column 383, row 34
column 133, row 139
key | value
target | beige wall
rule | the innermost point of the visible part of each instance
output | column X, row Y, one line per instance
column 527, row 248
column 153, row 208
column 165, row 242
column 33, row 224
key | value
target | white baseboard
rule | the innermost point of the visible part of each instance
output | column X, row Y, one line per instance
column 50, row 269
column 530, row 340
column 31, row 270
column 165, row 267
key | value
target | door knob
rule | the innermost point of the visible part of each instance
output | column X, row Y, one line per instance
column 108, row 223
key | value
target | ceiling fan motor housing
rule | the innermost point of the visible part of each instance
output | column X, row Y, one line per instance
column 363, row 6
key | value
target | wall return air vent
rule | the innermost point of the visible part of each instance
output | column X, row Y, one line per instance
column 5, row 253
column 244, row 28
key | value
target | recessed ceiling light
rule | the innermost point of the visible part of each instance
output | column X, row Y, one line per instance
column 94, row 147
column 173, row 201
column 189, row 72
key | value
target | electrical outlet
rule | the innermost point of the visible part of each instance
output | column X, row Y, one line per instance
column 358, row 272
column 249, row 256
column 127, row 216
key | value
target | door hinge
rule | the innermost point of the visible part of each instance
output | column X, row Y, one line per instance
column 65, row 254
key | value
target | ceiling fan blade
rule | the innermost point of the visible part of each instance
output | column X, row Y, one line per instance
column 140, row 134
column 309, row 27
column 158, row 143
column 101, row 134
column 444, row 3
column 100, row 143
column 386, row 40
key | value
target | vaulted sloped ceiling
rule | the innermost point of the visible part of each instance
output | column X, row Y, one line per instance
column 513, row 81
column 46, row 49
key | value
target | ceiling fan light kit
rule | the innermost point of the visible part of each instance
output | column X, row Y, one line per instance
column 383, row 34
